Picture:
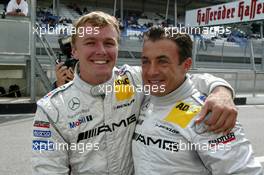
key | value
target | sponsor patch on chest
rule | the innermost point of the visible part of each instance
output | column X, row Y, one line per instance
column 182, row 113
column 123, row 88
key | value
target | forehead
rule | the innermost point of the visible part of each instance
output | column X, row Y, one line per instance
column 90, row 31
column 159, row 47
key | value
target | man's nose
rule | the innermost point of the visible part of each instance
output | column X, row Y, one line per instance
column 100, row 49
column 153, row 70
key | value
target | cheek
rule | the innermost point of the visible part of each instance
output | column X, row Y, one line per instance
column 86, row 52
column 165, row 72
column 170, row 76
column 113, row 53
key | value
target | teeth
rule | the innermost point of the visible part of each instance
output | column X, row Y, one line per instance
column 154, row 82
column 100, row 62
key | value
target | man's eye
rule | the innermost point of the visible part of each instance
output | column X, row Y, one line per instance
column 145, row 61
column 89, row 43
column 163, row 61
column 110, row 44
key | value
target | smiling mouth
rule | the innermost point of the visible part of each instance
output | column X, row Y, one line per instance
column 155, row 81
column 100, row 62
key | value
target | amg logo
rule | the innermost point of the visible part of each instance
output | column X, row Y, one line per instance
column 80, row 121
column 106, row 128
column 223, row 139
column 163, row 144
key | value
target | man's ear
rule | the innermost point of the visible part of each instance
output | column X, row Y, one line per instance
column 74, row 53
column 188, row 64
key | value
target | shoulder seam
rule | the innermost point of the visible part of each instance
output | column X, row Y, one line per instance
column 58, row 89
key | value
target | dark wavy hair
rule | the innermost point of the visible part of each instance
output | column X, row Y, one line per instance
column 182, row 41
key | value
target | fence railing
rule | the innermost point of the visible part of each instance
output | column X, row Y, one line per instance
column 243, row 81
column 220, row 51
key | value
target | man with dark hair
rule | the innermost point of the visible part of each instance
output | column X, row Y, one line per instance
column 182, row 40
column 167, row 140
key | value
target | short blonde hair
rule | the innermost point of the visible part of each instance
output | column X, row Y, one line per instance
column 96, row 19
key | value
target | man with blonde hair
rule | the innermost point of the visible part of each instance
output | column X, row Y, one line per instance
column 86, row 125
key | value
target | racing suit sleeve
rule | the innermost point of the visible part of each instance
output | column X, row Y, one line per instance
column 227, row 154
column 49, row 153
column 206, row 83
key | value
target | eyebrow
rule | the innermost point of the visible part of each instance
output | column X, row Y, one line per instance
column 144, row 57
column 162, row 57
column 93, row 38
column 158, row 57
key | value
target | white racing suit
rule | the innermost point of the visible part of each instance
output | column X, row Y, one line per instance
column 87, row 130
column 167, row 142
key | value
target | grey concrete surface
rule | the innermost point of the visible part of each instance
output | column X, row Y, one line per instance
column 16, row 134
column 252, row 119
column 15, row 147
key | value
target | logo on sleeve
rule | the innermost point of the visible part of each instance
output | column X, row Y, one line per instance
column 223, row 139
column 41, row 133
column 182, row 113
column 41, row 124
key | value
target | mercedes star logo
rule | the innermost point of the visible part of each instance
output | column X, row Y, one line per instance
column 74, row 103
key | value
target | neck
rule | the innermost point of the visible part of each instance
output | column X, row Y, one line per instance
column 177, row 86
column 90, row 79
column 183, row 91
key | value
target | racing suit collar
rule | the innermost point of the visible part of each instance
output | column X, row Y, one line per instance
column 182, row 92
column 97, row 90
